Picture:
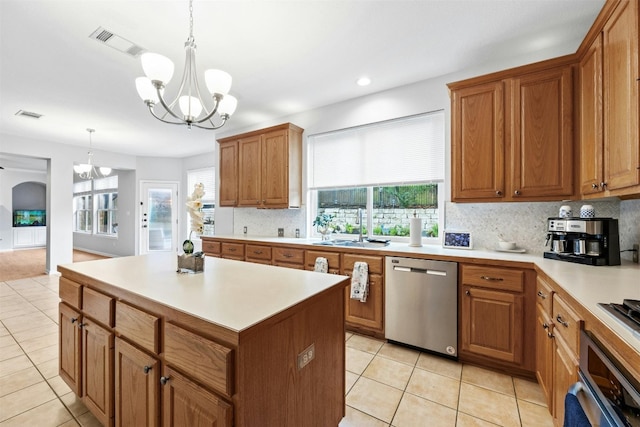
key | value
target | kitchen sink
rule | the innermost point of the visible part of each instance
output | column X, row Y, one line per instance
column 367, row 243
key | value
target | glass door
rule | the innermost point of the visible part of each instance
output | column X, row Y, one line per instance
column 158, row 217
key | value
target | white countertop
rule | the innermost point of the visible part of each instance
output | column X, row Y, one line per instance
column 589, row 285
column 232, row 294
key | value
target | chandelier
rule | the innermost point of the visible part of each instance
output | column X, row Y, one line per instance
column 88, row 170
column 159, row 70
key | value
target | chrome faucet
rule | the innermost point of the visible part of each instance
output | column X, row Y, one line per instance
column 361, row 224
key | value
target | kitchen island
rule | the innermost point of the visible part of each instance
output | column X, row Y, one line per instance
column 240, row 344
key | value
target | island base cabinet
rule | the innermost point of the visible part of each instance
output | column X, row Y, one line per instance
column 70, row 349
column 136, row 387
column 97, row 368
column 186, row 404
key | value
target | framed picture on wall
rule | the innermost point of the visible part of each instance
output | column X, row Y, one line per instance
column 457, row 239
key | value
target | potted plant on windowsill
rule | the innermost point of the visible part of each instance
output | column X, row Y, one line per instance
column 325, row 225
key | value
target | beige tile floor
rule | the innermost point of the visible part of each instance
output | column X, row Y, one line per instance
column 387, row 385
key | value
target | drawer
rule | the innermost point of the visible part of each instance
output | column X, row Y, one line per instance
column 375, row 263
column 98, row 306
column 232, row 250
column 70, row 292
column 210, row 248
column 138, row 326
column 567, row 324
column 333, row 258
column 288, row 255
column 258, row 252
column 206, row 361
column 506, row 279
column 544, row 295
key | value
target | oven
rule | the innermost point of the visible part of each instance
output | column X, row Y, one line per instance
column 606, row 393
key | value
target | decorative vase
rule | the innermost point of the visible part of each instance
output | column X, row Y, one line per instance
column 325, row 232
column 187, row 246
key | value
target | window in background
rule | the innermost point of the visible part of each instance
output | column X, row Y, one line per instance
column 95, row 202
column 207, row 177
column 390, row 169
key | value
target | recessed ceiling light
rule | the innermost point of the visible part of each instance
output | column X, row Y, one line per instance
column 363, row 81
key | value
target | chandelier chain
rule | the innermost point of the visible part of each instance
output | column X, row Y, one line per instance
column 191, row 20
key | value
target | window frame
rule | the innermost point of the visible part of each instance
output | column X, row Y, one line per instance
column 92, row 213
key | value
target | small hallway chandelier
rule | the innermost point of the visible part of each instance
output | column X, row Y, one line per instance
column 88, row 170
column 159, row 70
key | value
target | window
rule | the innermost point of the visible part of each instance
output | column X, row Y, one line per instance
column 207, row 177
column 95, row 202
column 391, row 170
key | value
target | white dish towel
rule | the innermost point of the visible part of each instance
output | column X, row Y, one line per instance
column 322, row 265
column 360, row 281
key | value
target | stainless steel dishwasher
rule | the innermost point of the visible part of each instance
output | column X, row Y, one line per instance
column 421, row 307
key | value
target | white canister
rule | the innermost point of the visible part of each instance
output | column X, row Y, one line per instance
column 565, row 211
column 587, row 211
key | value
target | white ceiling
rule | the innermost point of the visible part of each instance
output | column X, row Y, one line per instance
column 285, row 57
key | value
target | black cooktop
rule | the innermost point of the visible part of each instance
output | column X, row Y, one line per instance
column 628, row 313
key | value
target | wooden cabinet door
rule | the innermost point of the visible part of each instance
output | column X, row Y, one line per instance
column 275, row 169
column 249, row 167
column 477, row 142
column 492, row 323
column 187, row 404
column 97, row 369
column 622, row 148
column 541, row 134
column 228, row 154
column 591, row 138
column 565, row 373
column 544, row 353
column 137, row 379
column 70, row 349
column 366, row 314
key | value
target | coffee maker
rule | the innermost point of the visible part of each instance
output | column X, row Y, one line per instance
column 591, row 241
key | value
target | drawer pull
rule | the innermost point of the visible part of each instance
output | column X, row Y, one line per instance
column 541, row 295
column 146, row 369
column 545, row 325
column 74, row 319
column 257, row 252
column 232, row 249
column 287, row 255
column 81, row 325
column 549, row 334
column 492, row 279
column 164, row 380
column 561, row 321
column 467, row 292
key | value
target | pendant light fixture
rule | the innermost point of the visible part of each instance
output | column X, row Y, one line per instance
column 159, row 70
column 88, row 170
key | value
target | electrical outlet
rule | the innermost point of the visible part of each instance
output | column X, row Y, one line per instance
column 244, row 229
column 280, row 232
column 307, row 355
column 636, row 248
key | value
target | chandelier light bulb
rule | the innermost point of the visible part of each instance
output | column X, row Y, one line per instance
column 157, row 67
column 227, row 105
column 146, row 90
column 190, row 107
column 105, row 170
column 217, row 81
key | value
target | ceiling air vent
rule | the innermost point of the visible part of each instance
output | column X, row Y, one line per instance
column 28, row 114
column 120, row 44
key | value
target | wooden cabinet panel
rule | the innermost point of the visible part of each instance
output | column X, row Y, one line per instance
column 275, row 176
column 211, row 248
column 544, row 296
column 250, row 162
column 70, row 292
column 98, row 306
column 493, row 277
column 232, row 250
column 477, row 142
column 492, row 323
column 542, row 137
column 258, row 253
column 97, row 369
column 544, row 353
column 367, row 314
column 137, row 326
column 620, row 86
column 375, row 263
column 70, row 348
column 228, row 154
column 187, row 404
column 282, row 255
column 137, row 378
column 565, row 373
column 568, row 324
column 206, row 360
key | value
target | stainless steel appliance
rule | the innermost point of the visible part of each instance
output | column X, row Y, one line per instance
column 591, row 241
column 627, row 313
column 606, row 393
column 421, row 308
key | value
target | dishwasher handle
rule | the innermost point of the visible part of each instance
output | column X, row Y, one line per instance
column 419, row 270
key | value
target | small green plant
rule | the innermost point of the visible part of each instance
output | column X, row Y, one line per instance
column 433, row 231
column 324, row 220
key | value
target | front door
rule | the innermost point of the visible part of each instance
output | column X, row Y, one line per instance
column 158, row 217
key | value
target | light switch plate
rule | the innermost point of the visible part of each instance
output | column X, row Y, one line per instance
column 307, row 355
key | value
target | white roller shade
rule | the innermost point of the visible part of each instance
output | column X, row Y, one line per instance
column 400, row 151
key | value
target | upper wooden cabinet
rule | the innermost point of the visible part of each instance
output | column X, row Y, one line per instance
column 512, row 134
column 268, row 168
column 610, row 149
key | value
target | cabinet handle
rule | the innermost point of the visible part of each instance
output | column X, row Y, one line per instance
column 164, row 380
column 467, row 292
column 287, row 255
column 517, row 192
column 81, row 325
column 257, row 252
column 541, row 295
column 492, row 279
column 562, row 321
column 594, row 186
column 549, row 334
column 498, row 193
column 146, row 369
column 232, row 249
column 603, row 185
column 545, row 325
column 74, row 319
